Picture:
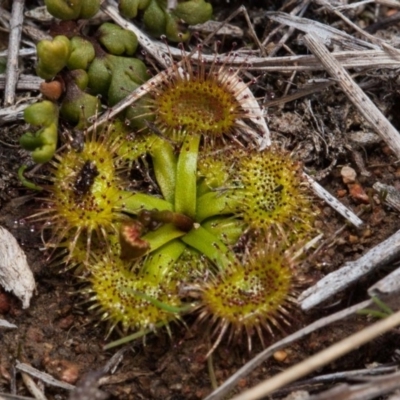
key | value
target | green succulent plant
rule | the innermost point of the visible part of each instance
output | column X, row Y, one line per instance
column 161, row 21
column 114, row 77
column 130, row 8
column 53, row 56
column 78, row 106
column 116, row 40
column 72, row 9
column 82, row 54
column 42, row 143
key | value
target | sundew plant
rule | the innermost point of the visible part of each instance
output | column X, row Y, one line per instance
column 171, row 208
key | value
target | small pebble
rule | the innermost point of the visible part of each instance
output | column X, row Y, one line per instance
column 66, row 322
column 353, row 239
column 367, row 233
column 280, row 355
column 358, row 194
column 52, row 90
column 349, row 175
column 63, row 370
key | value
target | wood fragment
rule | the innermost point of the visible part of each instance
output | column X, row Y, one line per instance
column 12, row 71
column 6, row 324
column 334, row 202
column 43, row 376
column 25, row 82
column 387, row 286
column 363, row 103
column 350, row 272
column 389, row 194
column 32, row 387
column 15, row 274
column 13, row 113
column 367, row 59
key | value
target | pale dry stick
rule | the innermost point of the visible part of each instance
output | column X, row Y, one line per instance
column 363, row 103
column 253, row 34
column 231, row 382
column 367, row 59
column 347, row 6
column 32, row 387
column 374, row 39
column 11, row 114
column 389, row 3
column 387, row 286
column 28, row 28
column 390, row 195
column 15, row 274
column 350, row 272
column 25, row 82
column 310, row 89
column 300, row 10
column 12, row 70
column 328, row 34
column 333, row 202
column 43, row 376
column 288, row 64
column 21, row 53
column 6, row 324
column 320, row 359
column 279, row 27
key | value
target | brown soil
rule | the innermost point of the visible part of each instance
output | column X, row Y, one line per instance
column 57, row 334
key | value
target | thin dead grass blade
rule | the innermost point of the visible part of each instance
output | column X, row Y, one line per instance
column 326, row 33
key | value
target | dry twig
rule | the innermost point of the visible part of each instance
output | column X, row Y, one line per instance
column 363, row 103
column 351, row 271
column 16, row 21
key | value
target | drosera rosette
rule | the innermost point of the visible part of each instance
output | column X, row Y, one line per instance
column 193, row 98
column 268, row 192
column 255, row 295
column 140, row 295
column 87, row 195
column 273, row 195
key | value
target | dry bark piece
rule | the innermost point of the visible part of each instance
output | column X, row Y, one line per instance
column 6, row 324
column 15, row 274
column 350, row 272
